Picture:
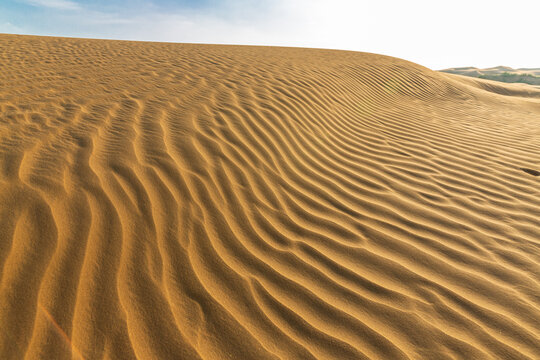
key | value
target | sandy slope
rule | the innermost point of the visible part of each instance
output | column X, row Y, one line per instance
column 170, row 201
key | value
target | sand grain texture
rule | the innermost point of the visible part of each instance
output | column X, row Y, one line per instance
column 174, row 201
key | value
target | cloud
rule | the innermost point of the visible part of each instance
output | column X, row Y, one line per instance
column 9, row 28
column 55, row 4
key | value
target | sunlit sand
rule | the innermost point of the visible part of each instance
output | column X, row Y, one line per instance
column 175, row 201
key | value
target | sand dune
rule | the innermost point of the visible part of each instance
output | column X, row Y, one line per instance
column 175, row 201
column 501, row 74
column 497, row 70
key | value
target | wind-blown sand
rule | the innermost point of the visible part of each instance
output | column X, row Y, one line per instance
column 174, row 201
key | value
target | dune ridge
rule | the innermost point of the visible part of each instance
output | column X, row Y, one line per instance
column 182, row 201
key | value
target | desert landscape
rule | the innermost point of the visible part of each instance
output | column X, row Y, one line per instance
column 184, row 201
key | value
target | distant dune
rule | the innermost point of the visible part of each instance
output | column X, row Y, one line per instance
column 500, row 73
column 176, row 201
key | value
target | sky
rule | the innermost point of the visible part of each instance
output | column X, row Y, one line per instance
column 436, row 34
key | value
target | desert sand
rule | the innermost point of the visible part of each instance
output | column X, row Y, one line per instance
column 182, row 201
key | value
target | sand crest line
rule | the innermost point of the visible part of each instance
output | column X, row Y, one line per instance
column 61, row 332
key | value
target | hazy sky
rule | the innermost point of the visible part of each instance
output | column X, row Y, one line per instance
column 436, row 34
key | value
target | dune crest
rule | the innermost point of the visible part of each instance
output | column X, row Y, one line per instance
column 175, row 201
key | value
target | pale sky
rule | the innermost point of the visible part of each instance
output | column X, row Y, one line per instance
column 436, row 34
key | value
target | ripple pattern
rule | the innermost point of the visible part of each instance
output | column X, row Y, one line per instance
column 176, row 201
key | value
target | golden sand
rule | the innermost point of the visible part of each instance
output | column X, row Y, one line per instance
column 175, row 201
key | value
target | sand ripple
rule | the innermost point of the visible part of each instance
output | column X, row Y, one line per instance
column 171, row 201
